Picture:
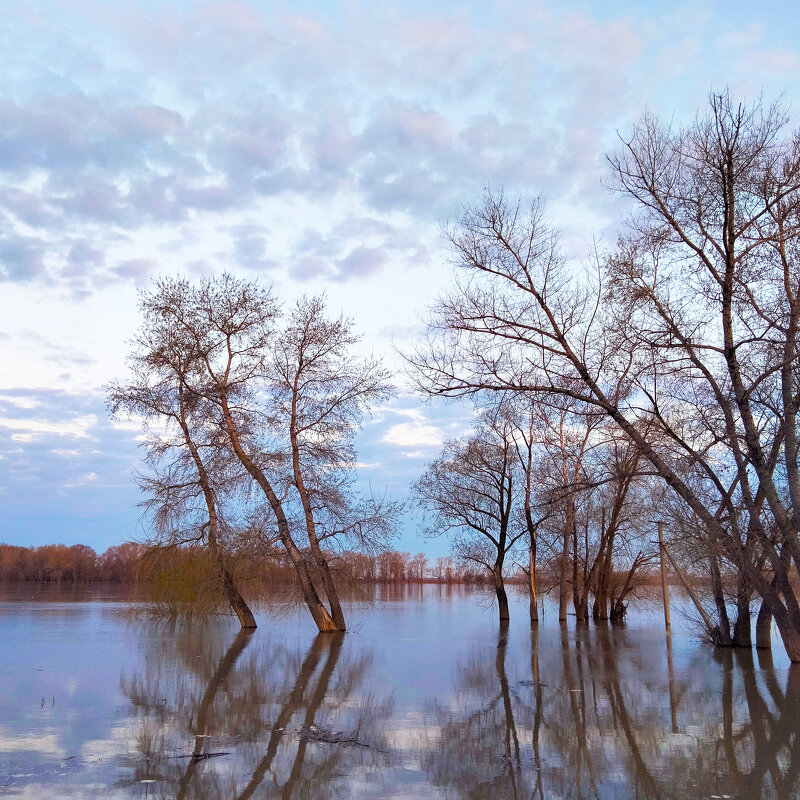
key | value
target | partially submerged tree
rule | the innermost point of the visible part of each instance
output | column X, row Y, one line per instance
column 522, row 420
column 320, row 392
column 576, row 503
column 186, row 471
column 468, row 493
column 275, row 410
column 687, row 339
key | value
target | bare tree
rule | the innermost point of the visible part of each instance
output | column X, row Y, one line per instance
column 468, row 493
column 521, row 416
column 187, row 471
column 320, row 392
column 228, row 330
column 707, row 282
column 686, row 339
column 551, row 444
column 577, row 478
column 622, row 515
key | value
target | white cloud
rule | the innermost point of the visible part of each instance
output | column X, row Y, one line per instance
column 413, row 434
column 76, row 428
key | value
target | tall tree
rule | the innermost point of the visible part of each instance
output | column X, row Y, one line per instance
column 186, row 472
column 320, row 392
column 281, row 404
column 687, row 339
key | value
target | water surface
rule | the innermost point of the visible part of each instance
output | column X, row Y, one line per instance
column 424, row 698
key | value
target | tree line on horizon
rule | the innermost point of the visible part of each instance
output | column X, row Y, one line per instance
column 656, row 385
column 137, row 563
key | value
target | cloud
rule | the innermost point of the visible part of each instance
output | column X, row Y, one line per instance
column 62, row 458
column 250, row 249
column 21, row 257
column 140, row 151
column 413, row 434
column 135, row 122
column 136, row 269
column 309, row 268
column 362, row 262
column 29, row 429
column 355, row 248
column 418, row 432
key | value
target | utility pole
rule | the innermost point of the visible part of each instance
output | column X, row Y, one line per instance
column 664, row 588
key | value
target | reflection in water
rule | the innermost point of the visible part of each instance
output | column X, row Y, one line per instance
column 588, row 725
column 258, row 726
column 424, row 699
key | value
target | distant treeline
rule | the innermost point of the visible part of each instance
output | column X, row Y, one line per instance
column 59, row 563
column 133, row 562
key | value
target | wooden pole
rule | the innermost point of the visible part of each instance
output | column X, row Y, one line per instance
column 664, row 587
column 673, row 695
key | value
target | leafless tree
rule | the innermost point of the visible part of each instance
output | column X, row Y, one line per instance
column 686, row 338
column 468, row 493
column 294, row 444
column 186, row 471
column 577, row 478
column 320, row 392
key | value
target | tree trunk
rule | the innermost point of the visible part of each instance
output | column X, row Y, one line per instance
column 232, row 594
column 789, row 633
column 764, row 627
column 582, row 607
column 600, row 608
column 500, row 591
column 576, row 597
column 311, row 529
column 724, row 626
column 562, row 578
column 533, row 601
column 791, row 639
column 330, row 587
column 237, row 602
column 742, row 633
column 319, row 613
column 713, row 630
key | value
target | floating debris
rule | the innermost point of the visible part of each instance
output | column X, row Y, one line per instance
column 311, row 733
column 202, row 756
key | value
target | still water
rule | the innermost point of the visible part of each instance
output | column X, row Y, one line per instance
column 424, row 698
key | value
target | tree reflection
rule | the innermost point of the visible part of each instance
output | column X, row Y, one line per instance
column 479, row 751
column 600, row 718
column 262, row 720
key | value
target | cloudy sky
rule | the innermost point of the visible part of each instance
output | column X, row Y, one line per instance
column 318, row 146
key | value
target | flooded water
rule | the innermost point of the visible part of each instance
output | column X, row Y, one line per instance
column 424, row 698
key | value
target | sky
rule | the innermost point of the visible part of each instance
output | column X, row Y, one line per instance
column 319, row 147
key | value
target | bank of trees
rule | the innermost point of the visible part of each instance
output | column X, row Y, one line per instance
column 74, row 564
column 250, row 416
column 469, row 492
column 684, row 339
column 550, row 491
column 262, row 569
